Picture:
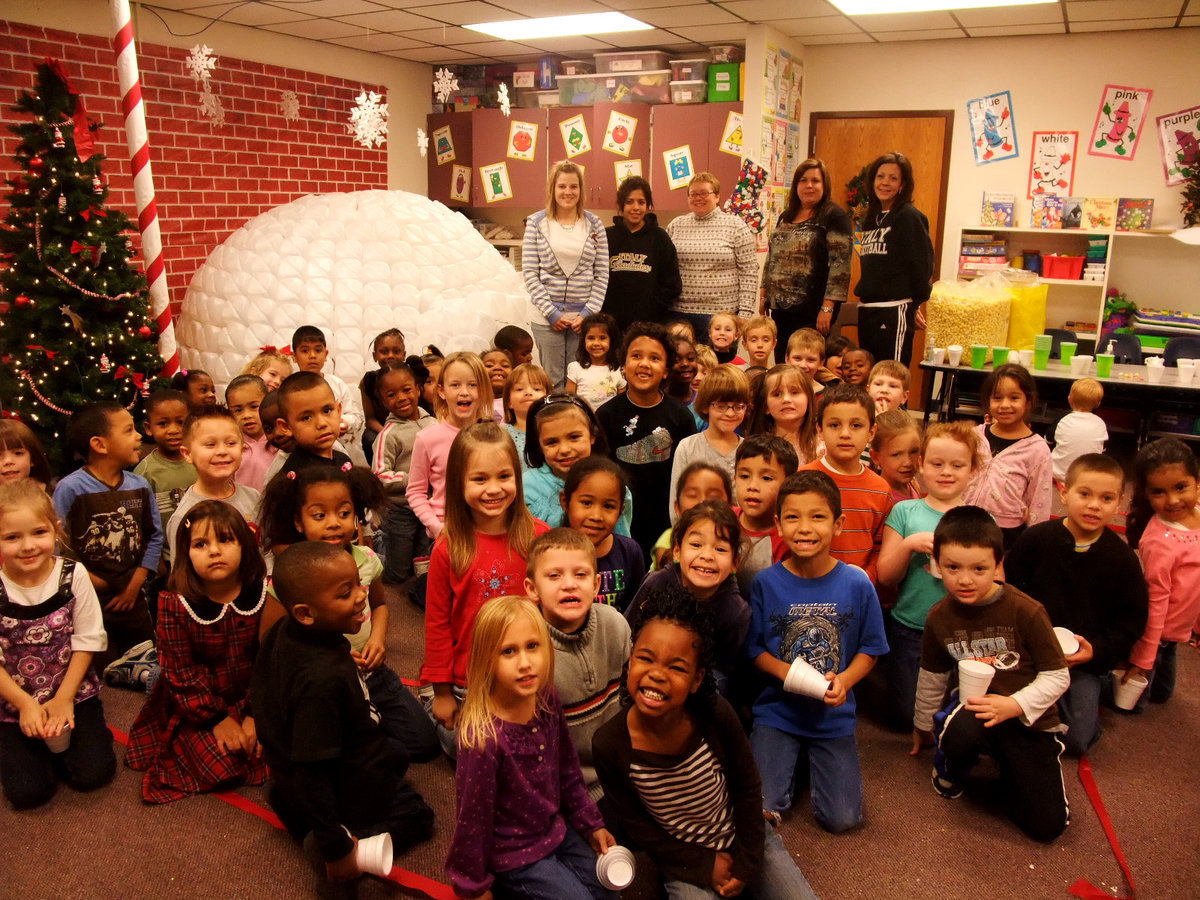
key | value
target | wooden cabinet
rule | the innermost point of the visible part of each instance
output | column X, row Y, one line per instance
column 601, row 165
column 492, row 136
column 441, row 177
column 699, row 127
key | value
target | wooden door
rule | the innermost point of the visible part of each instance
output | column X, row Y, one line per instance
column 676, row 126
column 602, row 178
column 849, row 141
column 441, row 176
column 491, row 131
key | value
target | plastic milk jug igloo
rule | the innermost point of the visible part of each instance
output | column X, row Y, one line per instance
column 353, row 264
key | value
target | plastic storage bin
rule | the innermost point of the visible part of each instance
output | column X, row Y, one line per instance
column 631, row 61
column 1068, row 268
column 689, row 92
column 725, row 53
column 537, row 99
column 578, row 67
column 689, row 70
column 723, row 82
column 632, row 87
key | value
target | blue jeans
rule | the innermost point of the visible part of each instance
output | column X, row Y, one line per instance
column 1161, row 679
column 555, row 350
column 1079, row 709
column 568, row 873
column 778, row 878
column 402, row 538
column 903, row 661
column 834, row 774
column 401, row 716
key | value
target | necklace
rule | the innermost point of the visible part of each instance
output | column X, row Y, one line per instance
column 879, row 217
column 570, row 227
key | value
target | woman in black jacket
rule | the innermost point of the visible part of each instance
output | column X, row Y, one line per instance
column 643, row 279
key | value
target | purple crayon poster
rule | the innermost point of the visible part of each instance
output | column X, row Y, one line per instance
column 1119, row 121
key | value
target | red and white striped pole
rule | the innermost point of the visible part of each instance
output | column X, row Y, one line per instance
column 143, row 182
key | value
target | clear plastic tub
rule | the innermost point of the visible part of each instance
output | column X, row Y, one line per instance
column 578, row 67
column 689, row 69
column 631, row 61
column 726, row 53
column 536, row 99
column 694, row 91
column 631, row 87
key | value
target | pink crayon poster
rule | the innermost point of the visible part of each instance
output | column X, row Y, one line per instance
column 1119, row 121
column 993, row 131
column 1179, row 138
column 1052, row 163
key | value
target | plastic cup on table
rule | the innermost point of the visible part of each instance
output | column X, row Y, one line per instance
column 999, row 356
column 978, row 356
column 805, row 680
column 1186, row 369
column 954, row 354
column 1066, row 350
column 1154, row 373
column 616, row 868
column 939, row 355
column 1041, row 359
column 1026, row 357
column 374, row 854
column 1066, row 640
column 1043, row 342
column 1104, row 364
column 974, row 678
column 1127, row 694
column 60, row 743
column 1081, row 364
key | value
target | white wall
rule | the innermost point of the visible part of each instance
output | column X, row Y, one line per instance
column 407, row 83
column 1056, row 83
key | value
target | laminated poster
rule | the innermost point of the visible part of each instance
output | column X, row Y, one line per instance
column 732, row 135
column 770, row 81
column 575, row 136
column 793, row 148
column 624, row 168
column 618, row 136
column 783, row 104
column 496, row 185
column 678, row 163
column 1052, row 163
column 779, row 172
column 443, row 145
column 522, row 140
column 1179, row 141
column 1119, row 121
column 993, row 130
column 797, row 89
column 766, row 151
column 460, row 183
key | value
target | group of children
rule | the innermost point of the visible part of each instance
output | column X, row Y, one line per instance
column 620, row 581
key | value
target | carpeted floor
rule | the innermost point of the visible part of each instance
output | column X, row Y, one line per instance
column 108, row 844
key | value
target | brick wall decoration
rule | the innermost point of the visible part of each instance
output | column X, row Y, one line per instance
column 209, row 179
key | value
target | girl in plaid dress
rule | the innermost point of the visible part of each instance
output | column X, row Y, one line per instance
column 195, row 732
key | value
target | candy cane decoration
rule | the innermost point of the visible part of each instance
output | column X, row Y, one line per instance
column 143, row 181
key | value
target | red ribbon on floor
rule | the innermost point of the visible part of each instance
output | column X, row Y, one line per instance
column 1083, row 888
column 402, row 877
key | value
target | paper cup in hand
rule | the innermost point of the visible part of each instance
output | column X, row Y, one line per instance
column 1066, row 640
column 374, row 854
column 616, row 868
column 1127, row 694
column 62, row 742
column 954, row 354
column 974, row 677
column 805, row 680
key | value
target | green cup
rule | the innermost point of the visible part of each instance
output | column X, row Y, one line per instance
column 1067, row 351
column 999, row 356
column 1043, row 342
column 1104, row 364
column 1041, row 358
column 978, row 355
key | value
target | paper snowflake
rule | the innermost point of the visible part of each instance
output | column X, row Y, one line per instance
column 289, row 106
column 444, row 85
column 201, row 62
column 210, row 105
column 505, row 100
column 422, row 141
column 368, row 119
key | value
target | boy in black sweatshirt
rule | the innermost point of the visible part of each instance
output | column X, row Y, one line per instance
column 643, row 280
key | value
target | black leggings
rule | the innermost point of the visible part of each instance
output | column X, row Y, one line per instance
column 792, row 319
column 30, row 772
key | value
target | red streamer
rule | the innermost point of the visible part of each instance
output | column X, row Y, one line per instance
column 1083, row 888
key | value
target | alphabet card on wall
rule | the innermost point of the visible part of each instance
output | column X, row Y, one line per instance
column 522, row 140
column 1052, row 163
column 626, row 168
column 1179, row 140
column 443, row 145
column 678, row 163
column 575, row 135
column 1119, row 121
column 618, row 136
column 496, row 185
column 460, row 184
column 993, row 130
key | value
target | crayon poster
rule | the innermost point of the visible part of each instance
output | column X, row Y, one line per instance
column 575, row 135
column 732, row 135
column 443, row 145
column 624, row 168
column 1119, row 121
column 460, row 184
column 496, row 185
column 618, row 136
column 993, row 130
column 1052, row 163
column 678, row 163
column 1179, row 140
column 522, row 140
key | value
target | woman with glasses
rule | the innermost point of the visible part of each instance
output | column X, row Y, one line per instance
column 807, row 272
column 716, row 258
column 564, row 261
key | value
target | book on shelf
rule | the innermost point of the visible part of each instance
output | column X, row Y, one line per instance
column 1134, row 214
column 997, row 209
column 978, row 248
column 971, row 266
column 976, row 237
column 1072, row 212
column 1099, row 212
column 1046, row 211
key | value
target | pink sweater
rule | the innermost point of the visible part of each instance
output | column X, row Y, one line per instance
column 430, row 452
column 1171, row 561
column 257, row 456
column 1016, row 487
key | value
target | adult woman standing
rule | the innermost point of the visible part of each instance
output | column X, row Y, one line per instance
column 897, row 261
column 565, row 263
column 716, row 258
column 643, row 280
column 807, row 272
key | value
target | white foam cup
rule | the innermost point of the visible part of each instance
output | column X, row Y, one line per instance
column 939, row 355
column 1026, row 358
column 1066, row 640
column 62, row 742
column 1081, row 364
column 1186, row 369
column 374, row 854
column 974, row 677
column 1126, row 695
column 954, row 354
column 805, row 680
column 616, row 868
column 1154, row 373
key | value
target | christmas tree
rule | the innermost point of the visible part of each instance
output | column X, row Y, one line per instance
column 75, row 323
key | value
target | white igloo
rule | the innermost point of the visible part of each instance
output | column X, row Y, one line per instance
column 354, row 265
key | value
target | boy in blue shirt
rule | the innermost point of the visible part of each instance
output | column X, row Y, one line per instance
column 813, row 607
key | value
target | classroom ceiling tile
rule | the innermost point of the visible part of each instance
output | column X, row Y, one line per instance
column 247, row 14
column 446, row 35
column 693, row 14
column 388, row 20
column 434, row 55
column 1006, row 30
column 762, row 10
column 329, row 7
column 924, row 21
column 316, row 29
column 1010, row 15
column 818, row 25
column 580, row 43
column 377, row 42
column 735, row 31
column 1095, row 10
column 539, row 8
column 856, row 38
column 1190, row 20
column 182, row 5
column 1123, row 24
column 928, row 34
column 466, row 13
column 626, row 5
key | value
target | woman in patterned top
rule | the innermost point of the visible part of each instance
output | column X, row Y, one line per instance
column 808, row 263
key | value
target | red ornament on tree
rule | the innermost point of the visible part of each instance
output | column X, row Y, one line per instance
column 35, row 164
column 58, row 138
column 22, row 300
column 97, row 187
column 145, row 331
column 62, row 203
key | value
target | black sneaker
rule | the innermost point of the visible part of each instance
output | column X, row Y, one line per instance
column 944, row 786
